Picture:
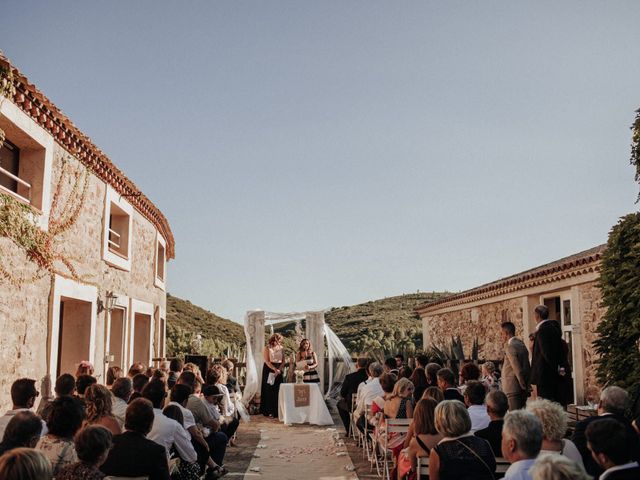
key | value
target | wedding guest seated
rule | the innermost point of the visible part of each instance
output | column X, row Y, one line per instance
column 25, row 464
column 192, row 367
column 186, row 470
column 557, row 467
column 367, row 393
column 84, row 368
column 459, row 456
column 349, row 389
column 175, row 369
column 138, row 382
column 136, row 369
column 521, row 442
column 65, row 386
column 554, row 427
column 422, row 437
column 387, row 383
column 434, row 393
column 608, row 442
column 468, row 372
column 121, row 391
column 98, row 402
column 23, row 397
column 431, row 371
column 23, row 430
column 92, row 447
column 164, row 367
column 218, row 377
column 66, row 418
column 405, row 372
column 497, row 407
column 132, row 454
column 446, row 383
column 419, row 377
column 82, row 383
column 474, row 396
column 400, row 403
column 165, row 431
column 150, row 371
column 399, row 361
column 390, row 366
column 113, row 373
column 232, row 382
column 490, row 376
column 614, row 402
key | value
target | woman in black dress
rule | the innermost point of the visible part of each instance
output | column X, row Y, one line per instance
column 306, row 354
column 273, row 355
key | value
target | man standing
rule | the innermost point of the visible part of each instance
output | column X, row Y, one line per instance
column 521, row 443
column 547, row 355
column 349, row 389
column 516, row 368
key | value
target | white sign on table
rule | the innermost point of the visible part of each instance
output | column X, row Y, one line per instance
column 315, row 412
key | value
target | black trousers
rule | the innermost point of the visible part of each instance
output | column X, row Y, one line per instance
column 345, row 414
column 230, row 428
column 550, row 391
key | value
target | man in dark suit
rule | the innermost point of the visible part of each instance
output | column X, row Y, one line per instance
column 497, row 406
column 133, row 455
column 446, row 383
column 613, row 403
column 547, row 356
column 608, row 443
column 515, row 369
column 349, row 389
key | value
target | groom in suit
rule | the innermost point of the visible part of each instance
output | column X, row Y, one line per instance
column 349, row 389
column 547, row 356
column 516, row 368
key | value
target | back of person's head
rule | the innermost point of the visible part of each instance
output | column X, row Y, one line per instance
column 228, row 365
column 405, row 372
column 614, row 400
column 424, row 422
column 375, row 369
column 362, row 362
column 180, row 393
column 399, row 358
column 122, row 388
column 403, row 387
column 24, row 393
column 98, row 401
column 65, row 385
column 214, row 374
column 497, row 403
column 176, row 365
column 159, row 375
column 489, row 367
column 387, row 382
column 553, row 417
column 475, row 392
column 509, row 328
column 542, row 311
column 557, row 467
column 431, row 371
column 83, row 382
column 139, row 381
column 608, row 437
column 469, row 371
column 447, row 376
column 422, row 360
column 164, row 366
column 155, row 391
column 150, row 371
column 391, row 363
column 93, row 444
column 25, row 464
column 65, row 417
column 113, row 373
column 23, row 430
column 187, row 378
column 173, row 412
column 452, row 418
column 524, row 429
column 434, row 393
column 135, row 369
column 85, row 367
column 139, row 416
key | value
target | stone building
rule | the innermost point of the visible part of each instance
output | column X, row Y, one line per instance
column 567, row 286
column 82, row 251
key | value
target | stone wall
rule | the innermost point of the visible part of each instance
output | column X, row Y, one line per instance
column 482, row 323
column 25, row 312
column 591, row 313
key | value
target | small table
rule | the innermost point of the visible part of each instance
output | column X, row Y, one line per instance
column 316, row 413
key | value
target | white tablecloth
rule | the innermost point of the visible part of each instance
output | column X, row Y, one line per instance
column 316, row 413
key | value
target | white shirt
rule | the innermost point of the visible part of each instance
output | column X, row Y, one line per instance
column 187, row 417
column 213, row 410
column 519, row 470
column 479, row 417
column 369, row 392
column 167, row 432
column 616, row 468
column 119, row 410
column 227, row 404
column 569, row 450
column 6, row 418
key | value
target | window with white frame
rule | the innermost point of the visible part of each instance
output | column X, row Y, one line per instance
column 118, row 235
column 118, row 240
column 161, row 262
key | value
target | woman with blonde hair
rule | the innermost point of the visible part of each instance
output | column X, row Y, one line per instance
column 557, row 467
column 273, row 355
column 459, row 455
column 25, row 464
column 306, row 354
column 99, row 404
column 554, row 427
column 400, row 402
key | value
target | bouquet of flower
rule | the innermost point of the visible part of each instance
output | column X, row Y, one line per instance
column 299, row 376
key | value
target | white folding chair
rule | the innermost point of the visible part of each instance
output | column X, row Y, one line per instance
column 352, row 428
column 423, row 468
column 395, row 426
column 502, row 464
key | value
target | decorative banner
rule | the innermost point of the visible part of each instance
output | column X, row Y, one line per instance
column 301, row 395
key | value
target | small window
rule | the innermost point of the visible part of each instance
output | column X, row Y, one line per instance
column 160, row 262
column 118, row 231
column 9, row 166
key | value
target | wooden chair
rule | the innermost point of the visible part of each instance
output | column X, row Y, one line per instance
column 395, row 426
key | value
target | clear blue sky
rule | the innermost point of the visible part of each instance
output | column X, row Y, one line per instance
column 315, row 154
